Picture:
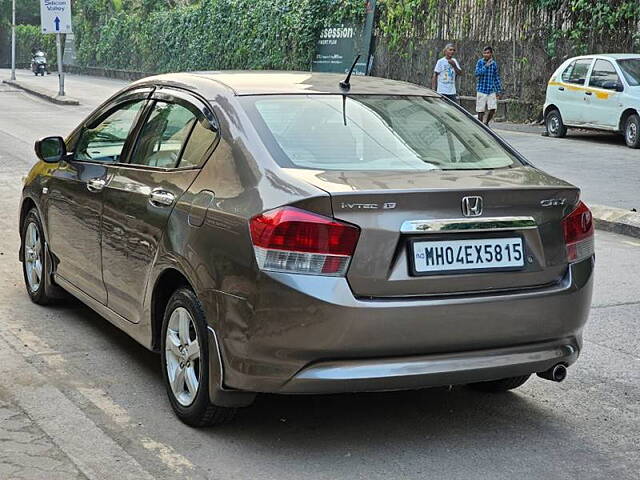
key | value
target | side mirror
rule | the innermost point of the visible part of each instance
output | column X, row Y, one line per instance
column 51, row 149
column 611, row 85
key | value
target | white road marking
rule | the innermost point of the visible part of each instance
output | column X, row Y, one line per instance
column 633, row 244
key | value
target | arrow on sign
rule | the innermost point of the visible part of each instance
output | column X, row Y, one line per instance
column 57, row 22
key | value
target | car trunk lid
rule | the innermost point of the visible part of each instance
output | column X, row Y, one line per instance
column 396, row 209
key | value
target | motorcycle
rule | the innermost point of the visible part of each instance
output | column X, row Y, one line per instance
column 39, row 63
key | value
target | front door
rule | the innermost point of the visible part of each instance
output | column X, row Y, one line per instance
column 141, row 196
column 76, row 193
column 604, row 106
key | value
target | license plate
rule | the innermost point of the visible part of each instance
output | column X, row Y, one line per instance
column 464, row 255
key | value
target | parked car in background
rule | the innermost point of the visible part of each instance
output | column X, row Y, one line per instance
column 291, row 233
column 597, row 92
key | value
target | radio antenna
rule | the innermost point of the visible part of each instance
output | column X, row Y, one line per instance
column 345, row 85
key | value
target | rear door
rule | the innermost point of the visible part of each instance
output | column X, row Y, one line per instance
column 173, row 142
column 574, row 84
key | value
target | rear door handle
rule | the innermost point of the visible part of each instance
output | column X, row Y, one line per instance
column 588, row 93
column 96, row 184
column 161, row 198
column 561, row 89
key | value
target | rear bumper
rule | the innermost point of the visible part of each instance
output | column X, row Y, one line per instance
column 431, row 370
column 305, row 334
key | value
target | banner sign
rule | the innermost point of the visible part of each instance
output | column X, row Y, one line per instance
column 338, row 45
column 55, row 16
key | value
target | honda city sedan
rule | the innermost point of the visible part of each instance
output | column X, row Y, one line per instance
column 291, row 233
column 600, row 92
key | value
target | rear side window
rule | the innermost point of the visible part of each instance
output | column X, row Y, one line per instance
column 104, row 142
column 603, row 75
column 579, row 72
column 373, row 132
column 199, row 145
column 567, row 72
column 163, row 135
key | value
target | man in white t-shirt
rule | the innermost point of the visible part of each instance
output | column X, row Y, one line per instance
column 445, row 73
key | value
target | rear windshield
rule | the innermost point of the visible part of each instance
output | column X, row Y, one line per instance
column 373, row 132
column 631, row 70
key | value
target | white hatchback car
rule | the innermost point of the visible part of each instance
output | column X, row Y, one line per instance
column 597, row 92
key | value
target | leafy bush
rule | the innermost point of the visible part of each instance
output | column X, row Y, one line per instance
column 29, row 37
column 207, row 35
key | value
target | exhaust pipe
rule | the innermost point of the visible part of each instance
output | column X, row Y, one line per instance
column 557, row 373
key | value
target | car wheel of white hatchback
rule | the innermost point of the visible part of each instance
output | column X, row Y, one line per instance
column 632, row 131
column 555, row 125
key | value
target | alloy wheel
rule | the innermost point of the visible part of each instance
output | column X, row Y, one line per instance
column 33, row 256
column 182, row 348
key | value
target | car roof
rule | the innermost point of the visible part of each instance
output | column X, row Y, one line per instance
column 612, row 56
column 266, row 82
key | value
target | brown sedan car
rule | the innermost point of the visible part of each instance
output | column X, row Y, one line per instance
column 284, row 233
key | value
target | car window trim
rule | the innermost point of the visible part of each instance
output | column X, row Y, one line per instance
column 196, row 105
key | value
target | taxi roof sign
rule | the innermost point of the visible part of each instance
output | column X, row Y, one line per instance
column 55, row 16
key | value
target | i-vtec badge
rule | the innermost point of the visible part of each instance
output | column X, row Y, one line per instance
column 368, row 206
column 553, row 202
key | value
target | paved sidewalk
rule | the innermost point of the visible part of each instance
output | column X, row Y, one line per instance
column 26, row 452
column 87, row 90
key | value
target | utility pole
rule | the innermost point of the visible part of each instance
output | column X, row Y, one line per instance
column 60, row 72
column 13, row 41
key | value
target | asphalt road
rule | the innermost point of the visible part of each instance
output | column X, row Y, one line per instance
column 79, row 399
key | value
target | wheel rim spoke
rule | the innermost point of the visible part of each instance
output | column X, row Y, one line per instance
column 177, row 384
column 193, row 351
column 173, row 344
column 183, row 328
column 191, row 380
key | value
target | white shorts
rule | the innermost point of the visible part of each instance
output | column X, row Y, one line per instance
column 486, row 102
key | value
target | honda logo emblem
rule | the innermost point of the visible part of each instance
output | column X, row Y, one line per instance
column 472, row 206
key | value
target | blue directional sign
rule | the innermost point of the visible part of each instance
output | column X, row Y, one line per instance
column 55, row 16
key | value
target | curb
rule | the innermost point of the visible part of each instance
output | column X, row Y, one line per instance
column 43, row 93
column 616, row 220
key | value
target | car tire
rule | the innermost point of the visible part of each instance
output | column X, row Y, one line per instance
column 187, row 377
column 554, row 124
column 502, row 385
column 35, row 263
column 632, row 131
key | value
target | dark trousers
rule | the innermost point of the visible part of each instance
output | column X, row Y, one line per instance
column 453, row 98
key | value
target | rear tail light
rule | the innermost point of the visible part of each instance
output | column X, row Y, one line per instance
column 291, row 240
column 578, row 233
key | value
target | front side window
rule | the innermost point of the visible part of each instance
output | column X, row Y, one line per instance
column 604, row 75
column 579, row 72
column 373, row 132
column 631, row 70
column 104, row 143
column 163, row 135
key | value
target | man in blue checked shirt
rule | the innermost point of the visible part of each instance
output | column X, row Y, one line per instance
column 489, row 86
